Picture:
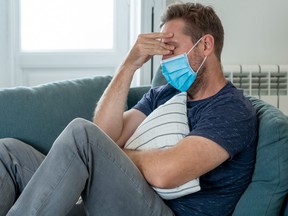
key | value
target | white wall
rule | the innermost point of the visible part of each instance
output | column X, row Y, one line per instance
column 256, row 31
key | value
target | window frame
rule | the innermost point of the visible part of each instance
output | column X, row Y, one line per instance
column 68, row 59
column 17, row 66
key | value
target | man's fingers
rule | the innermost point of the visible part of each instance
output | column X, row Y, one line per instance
column 148, row 45
column 155, row 41
column 157, row 35
column 153, row 50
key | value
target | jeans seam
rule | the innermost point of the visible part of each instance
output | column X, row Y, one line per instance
column 48, row 196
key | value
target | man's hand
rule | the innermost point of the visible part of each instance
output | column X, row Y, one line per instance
column 146, row 46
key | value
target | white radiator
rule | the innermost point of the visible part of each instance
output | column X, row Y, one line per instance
column 267, row 82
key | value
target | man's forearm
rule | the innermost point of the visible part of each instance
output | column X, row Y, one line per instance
column 111, row 106
column 110, row 109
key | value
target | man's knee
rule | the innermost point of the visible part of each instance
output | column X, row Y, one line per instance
column 11, row 143
column 19, row 149
column 77, row 130
column 84, row 131
column 80, row 124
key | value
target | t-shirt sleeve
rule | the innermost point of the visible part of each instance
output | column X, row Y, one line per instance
column 154, row 98
column 145, row 105
column 229, row 122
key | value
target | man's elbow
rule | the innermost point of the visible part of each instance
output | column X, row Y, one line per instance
column 163, row 181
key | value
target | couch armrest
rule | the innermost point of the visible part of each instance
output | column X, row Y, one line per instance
column 266, row 192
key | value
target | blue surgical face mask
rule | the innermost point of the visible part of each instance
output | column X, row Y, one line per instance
column 178, row 72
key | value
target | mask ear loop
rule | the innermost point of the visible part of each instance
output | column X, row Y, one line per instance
column 192, row 49
column 201, row 64
column 195, row 45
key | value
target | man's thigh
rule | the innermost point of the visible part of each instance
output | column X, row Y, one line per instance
column 116, row 186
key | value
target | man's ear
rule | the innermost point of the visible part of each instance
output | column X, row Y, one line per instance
column 208, row 44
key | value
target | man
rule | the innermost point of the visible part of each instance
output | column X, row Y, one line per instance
column 85, row 160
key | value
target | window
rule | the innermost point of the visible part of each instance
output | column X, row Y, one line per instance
column 54, row 40
column 48, row 40
column 53, row 25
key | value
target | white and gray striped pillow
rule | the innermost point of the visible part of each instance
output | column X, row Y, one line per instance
column 164, row 128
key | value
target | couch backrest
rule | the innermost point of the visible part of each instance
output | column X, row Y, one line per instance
column 266, row 193
column 37, row 115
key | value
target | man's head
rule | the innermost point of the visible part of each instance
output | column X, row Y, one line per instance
column 199, row 20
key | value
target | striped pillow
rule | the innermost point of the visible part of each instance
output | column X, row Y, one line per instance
column 163, row 128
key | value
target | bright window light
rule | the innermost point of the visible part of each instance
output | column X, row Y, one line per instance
column 61, row 25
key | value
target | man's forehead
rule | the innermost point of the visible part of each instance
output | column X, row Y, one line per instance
column 178, row 33
column 176, row 27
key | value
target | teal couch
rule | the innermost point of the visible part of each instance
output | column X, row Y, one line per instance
column 37, row 115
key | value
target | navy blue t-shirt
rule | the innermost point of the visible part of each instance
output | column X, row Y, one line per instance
column 228, row 119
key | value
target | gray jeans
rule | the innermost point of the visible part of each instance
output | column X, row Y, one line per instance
column 84, row 162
